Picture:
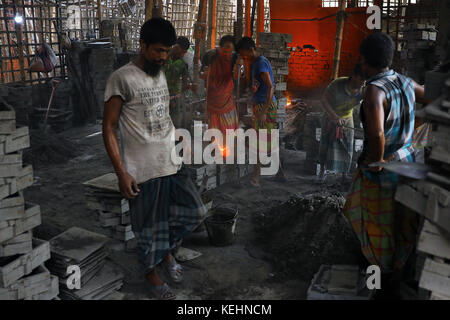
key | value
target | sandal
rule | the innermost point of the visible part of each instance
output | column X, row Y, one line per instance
column 162, row 292
column 174, row 271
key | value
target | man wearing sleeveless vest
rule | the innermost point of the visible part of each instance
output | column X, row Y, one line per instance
column 387, row 230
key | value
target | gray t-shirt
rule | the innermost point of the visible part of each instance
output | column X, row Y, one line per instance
column 147, row 131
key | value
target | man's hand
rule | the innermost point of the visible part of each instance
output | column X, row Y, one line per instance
column 128, row 186
column 378, row 168
column 336, row 119
column 375, row 169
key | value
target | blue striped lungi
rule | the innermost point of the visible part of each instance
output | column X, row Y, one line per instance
column 165, row 211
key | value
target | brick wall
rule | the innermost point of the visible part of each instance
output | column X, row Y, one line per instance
column 311, row 68
column 308, row 69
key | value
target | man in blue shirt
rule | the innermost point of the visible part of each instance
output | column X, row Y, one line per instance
column 264, row 102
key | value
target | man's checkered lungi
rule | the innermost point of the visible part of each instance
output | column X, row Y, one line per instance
column 165, row 211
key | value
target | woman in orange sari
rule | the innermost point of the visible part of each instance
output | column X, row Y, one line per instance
column 217, row 71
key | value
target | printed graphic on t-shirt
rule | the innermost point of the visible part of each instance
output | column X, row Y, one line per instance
column 155, row 115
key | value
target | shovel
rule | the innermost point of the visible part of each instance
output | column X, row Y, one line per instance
column 354, row 129
column 412, row 170
column 55, row 84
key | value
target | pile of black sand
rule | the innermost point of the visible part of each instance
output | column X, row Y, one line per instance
column 306, row 231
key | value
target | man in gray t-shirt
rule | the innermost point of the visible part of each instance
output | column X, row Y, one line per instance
column 164, row 203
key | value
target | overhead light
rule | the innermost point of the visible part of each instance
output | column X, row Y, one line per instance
column 18, row 19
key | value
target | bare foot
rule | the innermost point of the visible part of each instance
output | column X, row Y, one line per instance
column 254, row 183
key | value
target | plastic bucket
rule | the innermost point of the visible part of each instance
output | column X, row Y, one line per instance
column 221, row 226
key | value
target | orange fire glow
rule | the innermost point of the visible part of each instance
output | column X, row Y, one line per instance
column 289, row 103
column 224, row 150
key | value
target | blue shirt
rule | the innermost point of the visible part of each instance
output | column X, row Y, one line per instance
column 259, row 66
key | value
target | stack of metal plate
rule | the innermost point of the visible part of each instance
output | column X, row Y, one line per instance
column 103, row 195
column 77, row 247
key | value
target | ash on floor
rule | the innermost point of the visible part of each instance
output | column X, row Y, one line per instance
column 283, row 235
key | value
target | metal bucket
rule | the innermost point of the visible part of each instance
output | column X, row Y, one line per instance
column 221, row 226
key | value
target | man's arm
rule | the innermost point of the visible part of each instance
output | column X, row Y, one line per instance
column 373, row 105
column 111, row 116
column 419, row 92
column 265, row 76
column 329, row 110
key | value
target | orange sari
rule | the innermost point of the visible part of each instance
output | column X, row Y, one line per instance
column 221, row 109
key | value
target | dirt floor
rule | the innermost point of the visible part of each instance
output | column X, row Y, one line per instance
column 284, row 232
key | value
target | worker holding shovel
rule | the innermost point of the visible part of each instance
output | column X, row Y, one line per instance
column 337, row 134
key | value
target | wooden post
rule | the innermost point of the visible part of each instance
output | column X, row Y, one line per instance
column 148, row 9
column 248, row 10
column 99, row 17
column 81, row 19
column 157, row 8
column 338, row 39
column 260, row 20
column 213, row 23
column 239, row 26
column 210, row 20
column 238, row 29
column 20, row 48
column 380, row 4
column 252, row 19
column 209, row 24
column 19, row 35
column 87, row 16
column 199, row 35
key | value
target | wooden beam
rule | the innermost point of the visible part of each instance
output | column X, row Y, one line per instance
column 199, row 35
column 213, row 23
column 81, row 18
column 248, row 10
column 87, row 16
column 157, row 9
column 19, row 34
column 210, row 18
column 338, row 40
column 99, row 17
column 239, row 26
column 260, row 20
column 252, row 19
column 148, row 9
